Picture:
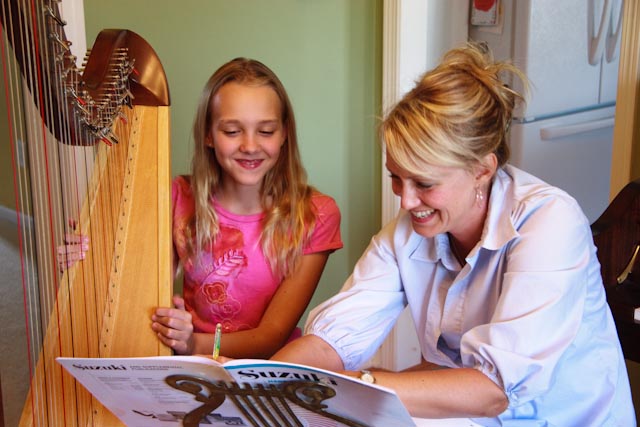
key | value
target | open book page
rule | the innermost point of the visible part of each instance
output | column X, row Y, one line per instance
column 135, row 389
column 195, row 391
column 369, row 403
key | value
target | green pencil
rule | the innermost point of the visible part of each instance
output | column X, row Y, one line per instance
column 216, row 341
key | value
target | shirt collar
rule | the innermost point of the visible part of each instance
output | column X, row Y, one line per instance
column 498, row 227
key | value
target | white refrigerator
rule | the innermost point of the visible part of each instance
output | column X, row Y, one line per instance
column 569, row 51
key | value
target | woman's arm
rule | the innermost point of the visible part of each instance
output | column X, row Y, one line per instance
column 425, row 391
column 445, row 393
column 312, row 351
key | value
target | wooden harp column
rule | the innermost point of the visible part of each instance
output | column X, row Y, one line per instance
column 97, row 140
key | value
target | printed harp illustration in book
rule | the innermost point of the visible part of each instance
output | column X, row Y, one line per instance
column 90, row 148
column 192, row 391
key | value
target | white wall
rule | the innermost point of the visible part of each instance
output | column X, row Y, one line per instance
column 416, row 33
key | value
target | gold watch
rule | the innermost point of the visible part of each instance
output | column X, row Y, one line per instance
column 367, row 376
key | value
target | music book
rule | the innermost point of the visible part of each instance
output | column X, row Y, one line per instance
column 191, row 391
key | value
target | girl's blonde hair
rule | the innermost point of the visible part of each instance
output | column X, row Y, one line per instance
column 285, row 195
column 457, row 114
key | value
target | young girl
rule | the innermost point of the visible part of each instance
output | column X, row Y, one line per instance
column 250, row 235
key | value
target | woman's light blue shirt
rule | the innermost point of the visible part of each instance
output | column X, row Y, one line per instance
column 528, row 309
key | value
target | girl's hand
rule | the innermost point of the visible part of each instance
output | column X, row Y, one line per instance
column 174, row 326
column 73, row 250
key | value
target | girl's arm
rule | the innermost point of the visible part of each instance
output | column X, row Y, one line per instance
column 279, row 320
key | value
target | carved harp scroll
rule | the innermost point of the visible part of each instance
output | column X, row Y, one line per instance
column 96, row 139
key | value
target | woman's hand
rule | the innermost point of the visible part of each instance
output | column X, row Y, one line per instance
column 174, row 326
column 73, row 250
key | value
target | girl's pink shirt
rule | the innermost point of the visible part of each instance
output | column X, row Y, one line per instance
column 231, row 282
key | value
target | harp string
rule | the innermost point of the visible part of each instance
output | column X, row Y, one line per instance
column 54, row 197
column 34, row 332
column 15, row 131
column 12, row 78
column 20, row 195
column 51, row 205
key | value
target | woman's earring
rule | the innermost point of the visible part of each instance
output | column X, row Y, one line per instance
column 479, row 196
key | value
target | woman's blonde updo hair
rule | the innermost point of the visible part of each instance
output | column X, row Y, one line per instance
column 457, row 114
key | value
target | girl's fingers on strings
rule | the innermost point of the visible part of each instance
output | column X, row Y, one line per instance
column 70, row 238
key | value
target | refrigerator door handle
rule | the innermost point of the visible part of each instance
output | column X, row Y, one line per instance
column 613, row 34
column 597, row 43
column 555, row 132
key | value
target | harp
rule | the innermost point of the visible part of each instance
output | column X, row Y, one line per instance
column 95, row 141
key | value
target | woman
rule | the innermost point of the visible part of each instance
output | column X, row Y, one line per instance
column 498, row 269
